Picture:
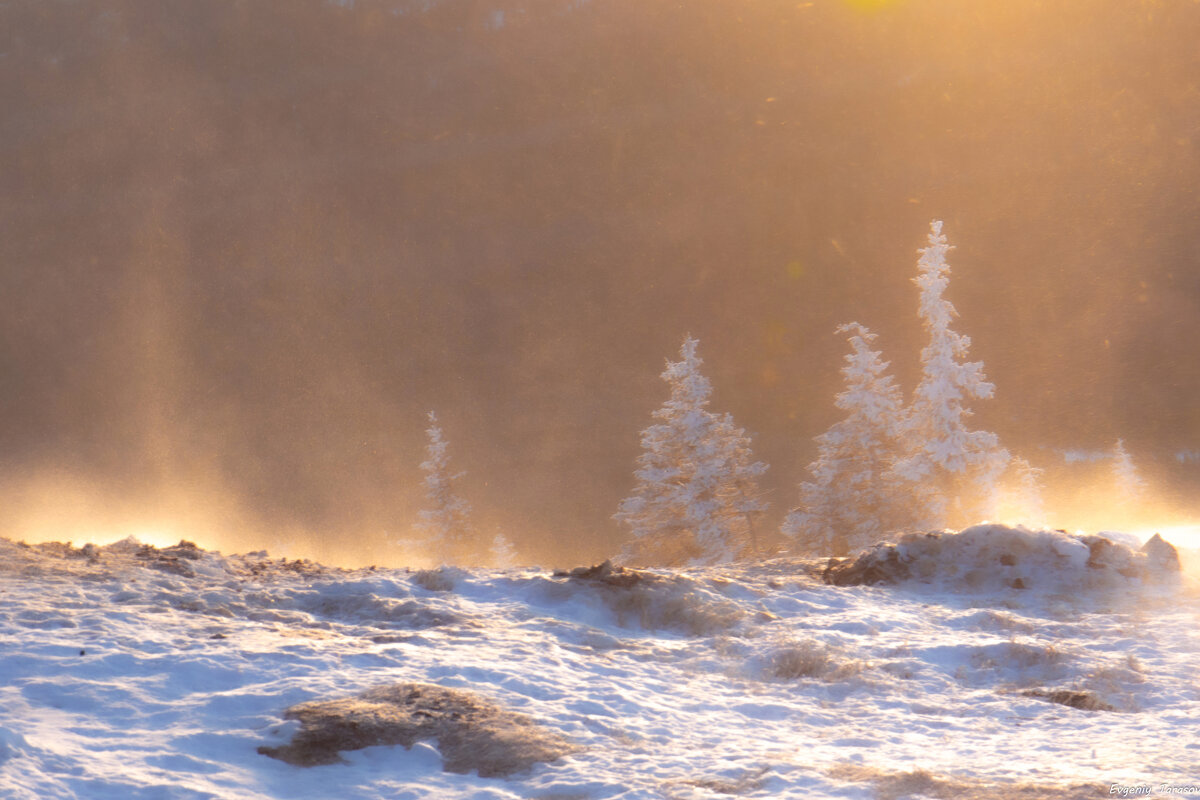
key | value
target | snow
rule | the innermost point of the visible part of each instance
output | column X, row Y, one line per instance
column 136, row 673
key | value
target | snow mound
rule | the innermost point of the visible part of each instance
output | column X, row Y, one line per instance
column 473, row 734
column 362, row 602
column 130, row 544
column 1019, row 662
column 996, row 557
column 806, row 658
column 440, row 579
column 649, row 600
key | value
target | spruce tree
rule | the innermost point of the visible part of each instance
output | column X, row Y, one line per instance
column 951, row 470
column 1130, row 485
column 742, row 495
column 1020, row 498
column 446, row 521
column 503, row 553
column 851, row 501
column 696, row 497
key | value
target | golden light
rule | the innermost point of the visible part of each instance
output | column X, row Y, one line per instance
column 156, row 536
column 868, row 5
column 63, row 508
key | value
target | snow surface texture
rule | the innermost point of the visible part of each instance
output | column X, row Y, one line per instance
column 134, row 673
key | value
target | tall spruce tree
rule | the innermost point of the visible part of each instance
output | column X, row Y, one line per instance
column 696, row 497
column 852, row 500
column 951, row 470
column 446, row 520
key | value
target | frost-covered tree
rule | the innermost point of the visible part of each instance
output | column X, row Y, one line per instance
column 696, row 497
column 446, row 520
column 745, row 500
column 503, row 553
column 951, row 469
column 851, row 501
column 1131, row 487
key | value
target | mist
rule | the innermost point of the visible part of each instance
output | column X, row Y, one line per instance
column 244, row 248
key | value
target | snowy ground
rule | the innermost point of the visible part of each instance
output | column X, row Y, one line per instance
column 158, row 674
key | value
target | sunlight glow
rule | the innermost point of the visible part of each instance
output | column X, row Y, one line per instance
column 869, row 5
column 156, row 536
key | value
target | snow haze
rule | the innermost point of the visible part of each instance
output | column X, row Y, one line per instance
column 244, row 251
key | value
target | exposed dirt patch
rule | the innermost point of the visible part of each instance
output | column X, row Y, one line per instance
column 1085, row 701
column 169, row 562
column 472, row 733
column 608, row 575
column 809, row 659
column 919, row 783
column 879, row 566
column 656, row 602
column 441, row 579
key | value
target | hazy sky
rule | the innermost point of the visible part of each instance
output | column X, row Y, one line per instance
column 245, row 246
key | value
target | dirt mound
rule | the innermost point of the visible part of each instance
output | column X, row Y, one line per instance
column 608, row 575
column 472, row 733
column 653, row 601
column 880, row 566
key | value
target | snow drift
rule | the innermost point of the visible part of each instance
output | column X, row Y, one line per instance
column 127, row 676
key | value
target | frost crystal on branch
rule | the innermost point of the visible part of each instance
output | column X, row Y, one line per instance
column 696, row 499
column 446, row 520
column 953, row 470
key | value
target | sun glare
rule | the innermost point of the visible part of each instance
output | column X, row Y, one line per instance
column 868, row 5
column 158, row 537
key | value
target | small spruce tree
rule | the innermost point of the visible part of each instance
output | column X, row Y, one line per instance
column 1020, row 495
column 696, row 497
column 503, row 553
column 1131, row 487
column 745, row 500
column 851, row 502
column 951, row 471
column 446, row 521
